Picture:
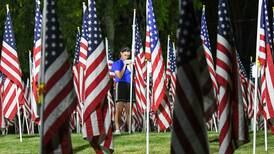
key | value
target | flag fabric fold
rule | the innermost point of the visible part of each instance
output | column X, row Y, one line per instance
column 189, row 133
column 10, row 67
column 59, row 101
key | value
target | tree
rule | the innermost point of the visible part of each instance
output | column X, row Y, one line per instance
column 115, row 17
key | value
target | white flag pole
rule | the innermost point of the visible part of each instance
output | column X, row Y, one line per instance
column 148, row 106
column 82, row 101
column 30, row 81
column 148, row 98
column 214, row 122
column 25, row 116
column 107, row 52
column 131, row 75
column 265, row 135
column 18, row 113
column 167, row 52
column 42, row 73
column 256, row 77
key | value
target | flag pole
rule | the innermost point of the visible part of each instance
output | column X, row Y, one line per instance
column 148, row 107
column 42, row 73
column 18, row 114
column 76, row 114
column 265, row 135
column 256, row 78
column 167, row 55
column 106, row 42
column 81, row 104
column 26, row 120
column 30, row 79
column 131, row 75
column 148, row 56
column 17, row 103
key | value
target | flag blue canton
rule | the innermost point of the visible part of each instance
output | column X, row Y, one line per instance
column 172, row 59
column 8, row 34
column 204, row 31
column 153, row 32
column 54, row 39
column 38, row 23
column 2, row 77
column 187, row 33
column 241, row 66
column 94, row 35
column 138, row 40
column 224, row 23
column 110, row 57
column 77, row 48
column 85, row 25
column 265, row 23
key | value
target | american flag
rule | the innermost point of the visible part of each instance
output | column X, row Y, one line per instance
column 10, row 67
column 110, row 62
column 264, row 48
column 157, row 62
column 171, row 69
column 159, row 104
column 163, row 116
column 76, row 78
column 36, row 50
column 224, row 65
column 189, row 134
column 207, row 52
column 9, row 59
column 96, row 77
column 8, row 98
column 2, row 119
column 76, row 68
column 243, row 82
column 107, row 143
column 230, row 109
column 269, row 69
column 59, row 101
column 140, row 71
column 81, row 57
column 137, row 118
column 250, row 94
column 33, row 101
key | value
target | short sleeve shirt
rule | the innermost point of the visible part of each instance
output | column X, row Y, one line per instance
column 118, row 66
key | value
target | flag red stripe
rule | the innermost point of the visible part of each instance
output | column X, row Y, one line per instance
column 57, row 99
column 57, row 124
column 57, row 76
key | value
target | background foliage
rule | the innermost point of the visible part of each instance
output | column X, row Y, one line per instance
column 115, row 17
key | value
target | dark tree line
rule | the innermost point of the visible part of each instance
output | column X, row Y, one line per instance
column 115, row 17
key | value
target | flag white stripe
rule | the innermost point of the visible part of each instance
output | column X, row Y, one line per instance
column 10, row 49
column 56, row 66
column 58, row 111
column 10, row 59
column 58, row 87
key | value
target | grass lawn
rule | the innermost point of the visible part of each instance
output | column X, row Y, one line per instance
column 134, row 143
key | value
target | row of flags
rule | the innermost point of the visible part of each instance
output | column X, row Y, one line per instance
column 90, row 78
column 234, row 92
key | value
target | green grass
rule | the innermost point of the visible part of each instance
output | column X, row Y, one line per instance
column 125, row 143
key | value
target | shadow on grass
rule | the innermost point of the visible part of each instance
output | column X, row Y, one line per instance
column 80, row 148
column 29, row 136
column 214, row 140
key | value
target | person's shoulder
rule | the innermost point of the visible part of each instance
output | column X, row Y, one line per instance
column 116, row 64
column 119, row 61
